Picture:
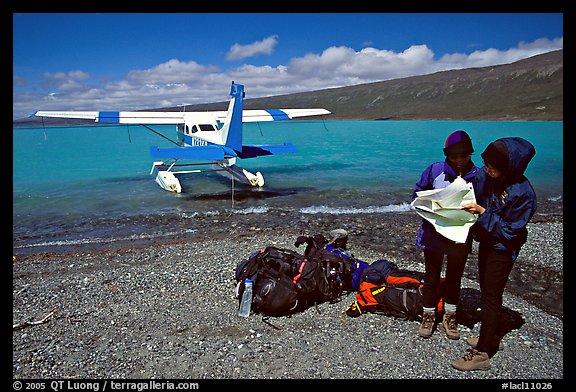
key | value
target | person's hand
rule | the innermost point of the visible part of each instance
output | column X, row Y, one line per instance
column 474, row 208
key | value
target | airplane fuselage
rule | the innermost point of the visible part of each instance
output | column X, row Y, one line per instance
column 202, row 135
column 200, row 131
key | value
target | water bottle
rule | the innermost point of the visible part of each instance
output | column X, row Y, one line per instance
column 246, row 302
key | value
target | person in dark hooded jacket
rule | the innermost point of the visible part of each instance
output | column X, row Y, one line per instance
column 505, row 203
column 458, row 163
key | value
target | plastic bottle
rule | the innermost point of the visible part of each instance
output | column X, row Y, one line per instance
column 246, row 302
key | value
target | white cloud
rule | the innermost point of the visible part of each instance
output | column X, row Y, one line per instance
column 484, row 58
column 172, row 71
column 68, row 76
column 239, row 52
column 64, row 81
column 367, row 65
column 178, row 82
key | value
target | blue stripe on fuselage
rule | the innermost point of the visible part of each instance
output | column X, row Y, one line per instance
column 109, row 117
column 192, row 141
column 278, row 114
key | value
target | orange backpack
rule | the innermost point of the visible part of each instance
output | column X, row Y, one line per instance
column 398, row 296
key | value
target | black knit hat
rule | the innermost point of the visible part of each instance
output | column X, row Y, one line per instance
column 458, row 142
column 496, row 154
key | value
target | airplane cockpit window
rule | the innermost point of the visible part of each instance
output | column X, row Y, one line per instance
column 185, row 129
column 207, row 127
column 195, row 129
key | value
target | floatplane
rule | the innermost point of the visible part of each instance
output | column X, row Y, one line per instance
column 213, row 136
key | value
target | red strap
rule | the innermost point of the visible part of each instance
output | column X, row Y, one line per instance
column 299, row 271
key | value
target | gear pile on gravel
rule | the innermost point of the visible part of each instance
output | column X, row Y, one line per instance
column 168, row 311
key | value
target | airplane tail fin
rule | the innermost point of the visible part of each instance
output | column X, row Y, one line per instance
column 232, row 128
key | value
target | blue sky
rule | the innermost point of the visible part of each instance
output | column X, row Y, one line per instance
column 105, row 61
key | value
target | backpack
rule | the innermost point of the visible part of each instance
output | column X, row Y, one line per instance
column 347, row 265
column 358, row 267
column 271, row 270
column 378, row 271
column 386, row 289
column 400, row 302
column 286, row 281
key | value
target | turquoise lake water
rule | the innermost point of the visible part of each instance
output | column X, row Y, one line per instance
column 79, row 179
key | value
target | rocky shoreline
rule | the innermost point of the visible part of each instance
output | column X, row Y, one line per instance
column 167, row 310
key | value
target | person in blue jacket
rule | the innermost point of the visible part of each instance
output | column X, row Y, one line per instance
column 505, row 203
column 458, row 163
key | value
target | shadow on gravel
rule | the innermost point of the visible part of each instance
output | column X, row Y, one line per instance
column 469, row 312
column 541, row 286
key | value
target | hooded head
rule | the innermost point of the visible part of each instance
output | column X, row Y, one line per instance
column 496, row 154
column 458, row 142
column 510, row 155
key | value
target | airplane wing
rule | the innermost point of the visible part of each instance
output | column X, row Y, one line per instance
column 273, row 114
column 179, row 117
column 118, row 117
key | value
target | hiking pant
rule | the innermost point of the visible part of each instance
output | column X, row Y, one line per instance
column 455, row 262
column 493, row 270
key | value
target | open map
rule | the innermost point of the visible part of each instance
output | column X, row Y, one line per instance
column 443, row 208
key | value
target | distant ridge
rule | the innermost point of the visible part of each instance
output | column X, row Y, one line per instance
column 530, row 90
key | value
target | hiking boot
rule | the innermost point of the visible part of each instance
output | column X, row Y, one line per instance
column 473, row 341
column 450, row 325
column 474, row 360
column 427, row 324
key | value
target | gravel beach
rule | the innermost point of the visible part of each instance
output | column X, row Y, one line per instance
column 167, row 310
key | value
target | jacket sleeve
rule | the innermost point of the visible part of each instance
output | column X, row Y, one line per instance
column 506, row 224
column 424, row 183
